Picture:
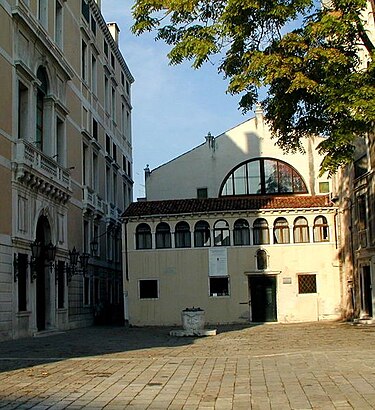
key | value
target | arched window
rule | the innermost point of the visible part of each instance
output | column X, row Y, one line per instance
column 221, row 233
column 301, row 230
column 143, row 237
column 321, row 231
column 261, row 233
column 281, row 231
column 40, row 109
column 263, row 176
column 262, row 260
column 241, row 232
column 163, row 236
column 182, row 235
column 202, row 234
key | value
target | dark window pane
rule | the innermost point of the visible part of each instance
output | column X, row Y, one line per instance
column 219, row 286
column 163, row 236
column 262, row 260
column 270, row 176
column 143, row 237
column 182, row 235
column 254, row 177
column 285, row 178
column 148, row 289
column 241, row 232
column 221, row 234
column 22, row 282
column 202, row 234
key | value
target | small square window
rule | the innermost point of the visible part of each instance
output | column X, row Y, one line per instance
column 148, row 289
column 323, row 187
column 219, row 286
column 202, row 193
column 306, row 284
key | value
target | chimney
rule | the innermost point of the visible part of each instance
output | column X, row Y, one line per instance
column 210, row 140
column 259, row 119
column 147, row 172
column 114, row 30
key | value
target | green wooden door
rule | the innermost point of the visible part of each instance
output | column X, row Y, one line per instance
column 263, row 298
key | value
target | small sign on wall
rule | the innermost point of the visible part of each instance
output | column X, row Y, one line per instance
column 287, row 281
column 218, row 262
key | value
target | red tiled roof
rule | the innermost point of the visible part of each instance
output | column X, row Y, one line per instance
column 225, row 204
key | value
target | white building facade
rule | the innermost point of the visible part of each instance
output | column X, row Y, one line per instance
column 237, row 228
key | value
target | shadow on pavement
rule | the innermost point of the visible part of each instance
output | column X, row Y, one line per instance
column 92, row 341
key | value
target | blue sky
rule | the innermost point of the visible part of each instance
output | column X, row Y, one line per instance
column 174, row 107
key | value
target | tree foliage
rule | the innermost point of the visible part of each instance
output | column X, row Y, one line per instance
column 309, row 56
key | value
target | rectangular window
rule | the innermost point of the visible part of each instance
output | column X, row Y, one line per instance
column 85, row 8
column 96, row 238
column 108, row 184
column 105, row 48
column 219, row 286
column 306, row 284
column 202, row 193
column 114, row 152
column 148, row 289
column 61, row 284
column 123, row 119
column 112, row 60
column 93, row 75
column 108, row 144
column 109, row 240
column 23, row 110
column 106, row 94
column 114, row 199
column 360, row 166
column 84, row 60
column 22, row 282
column 85, row 164
column 60, row 141
column 43, row 12
column 93, row 25
column 86, row 236
column 323, row 187
column 113, row 104
column 95, row 172
column 58, row 23
column 361, row 212
column 94, row 129
column 122, row 78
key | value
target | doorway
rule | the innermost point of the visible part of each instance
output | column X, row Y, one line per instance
column 262, row 291
column 43, row 235
column 366, row 291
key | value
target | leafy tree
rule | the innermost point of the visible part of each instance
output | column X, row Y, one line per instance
column 309, row 56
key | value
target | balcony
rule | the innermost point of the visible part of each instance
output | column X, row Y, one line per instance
column 92, row 203
column 41, row 173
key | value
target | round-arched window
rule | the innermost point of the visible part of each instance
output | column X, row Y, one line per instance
column 143, row 237
column 263, row 176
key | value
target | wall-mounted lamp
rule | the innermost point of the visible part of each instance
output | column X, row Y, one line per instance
column 94, row 245
column 38, row 251
column 73, row 269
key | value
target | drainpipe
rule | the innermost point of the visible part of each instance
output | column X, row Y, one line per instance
column 126, row 266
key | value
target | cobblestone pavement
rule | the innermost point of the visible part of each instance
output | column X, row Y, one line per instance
column 273, row 366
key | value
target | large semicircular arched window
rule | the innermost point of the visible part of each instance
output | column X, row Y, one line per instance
column 263, row 176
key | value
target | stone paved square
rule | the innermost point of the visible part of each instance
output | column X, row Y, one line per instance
column 273, row 366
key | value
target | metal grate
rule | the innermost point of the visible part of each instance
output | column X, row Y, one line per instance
column 307, row 284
